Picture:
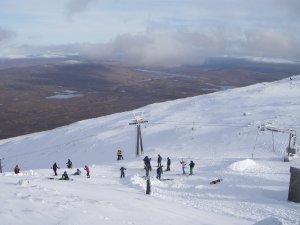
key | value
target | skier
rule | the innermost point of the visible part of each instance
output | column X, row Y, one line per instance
column 64, row 176
column 17, row 169
column 122, row 172
column 183, row 164
column 55, row 167
column 159, row 160
column 147, row 163
column 120, row 155
column 69, row 164
column 78, row 172
column 158, row 172
column 168, row 164
column 192, row 164
column 87, row 169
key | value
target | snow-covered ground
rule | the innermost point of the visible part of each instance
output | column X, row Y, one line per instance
column 217, row 131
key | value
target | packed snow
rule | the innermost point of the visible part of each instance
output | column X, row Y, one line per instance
column 218, row 131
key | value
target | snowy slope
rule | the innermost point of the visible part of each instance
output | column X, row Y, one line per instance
column 217, row 131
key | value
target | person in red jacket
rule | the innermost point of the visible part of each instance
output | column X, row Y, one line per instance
column 87, row 169
column 17, row 169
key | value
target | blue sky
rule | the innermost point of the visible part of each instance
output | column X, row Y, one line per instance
column 151, row 31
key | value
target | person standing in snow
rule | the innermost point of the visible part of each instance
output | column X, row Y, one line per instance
column 55, row 167
column 192, row 164
column 168, row 164
column 87, row 169
column 122, row 169
column 158, row 172
column 147, row 163
column 69, row 164
column 120, row 155
column 17, row 169
column 183, row 164
column 159, row 158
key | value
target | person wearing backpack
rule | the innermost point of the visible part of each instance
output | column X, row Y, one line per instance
column 192, row 164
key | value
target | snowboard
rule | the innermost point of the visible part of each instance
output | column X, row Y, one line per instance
column 216, row 181
column 54, row 178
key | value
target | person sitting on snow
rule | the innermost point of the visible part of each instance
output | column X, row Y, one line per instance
column 78, row 172
column 65, row 176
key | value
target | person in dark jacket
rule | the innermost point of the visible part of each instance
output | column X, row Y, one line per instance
column 120, row 155
column 78, row 172
column 158, row 172
column 147, row 163
column 55, row 167
column 69, row 164
column 65, row 176
column 122, row 169
column 192, row 164
column 168, row 164
column 159, row 158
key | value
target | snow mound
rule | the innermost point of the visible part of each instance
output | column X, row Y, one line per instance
column 247, row 165
column 269, row 221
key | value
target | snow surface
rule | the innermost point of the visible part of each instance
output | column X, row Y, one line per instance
column 217, row 131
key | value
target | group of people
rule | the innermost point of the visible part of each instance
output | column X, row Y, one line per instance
column 183, row 165
column 159, row 170
column 147, row 167
column 65, row 175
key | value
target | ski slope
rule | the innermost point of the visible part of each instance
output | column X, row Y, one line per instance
column 217, row 131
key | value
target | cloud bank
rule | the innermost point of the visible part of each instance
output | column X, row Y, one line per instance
column 153, row 32
column 173, row 48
